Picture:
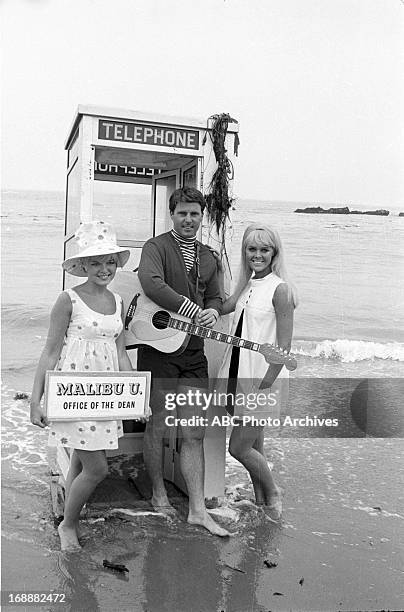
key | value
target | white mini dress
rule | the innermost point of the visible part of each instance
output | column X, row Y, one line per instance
column 89, row 345
column 259, row 325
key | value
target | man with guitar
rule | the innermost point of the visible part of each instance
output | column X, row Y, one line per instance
column 179, row 274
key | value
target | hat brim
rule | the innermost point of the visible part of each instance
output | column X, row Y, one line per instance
column 73, row 265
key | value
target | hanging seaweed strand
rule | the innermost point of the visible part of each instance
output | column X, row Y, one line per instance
column 218, row 201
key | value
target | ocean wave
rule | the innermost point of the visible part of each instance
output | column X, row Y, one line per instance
column 348, row 351
column 22, row 315
column 18, row 366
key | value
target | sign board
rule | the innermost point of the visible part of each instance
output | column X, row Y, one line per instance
column 85, row 396
column 155, row 135
column 123, row 171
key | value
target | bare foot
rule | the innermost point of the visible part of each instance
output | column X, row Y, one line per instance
column 68, row 538
column 163, row 505
column 273, row 508
column 206, row 521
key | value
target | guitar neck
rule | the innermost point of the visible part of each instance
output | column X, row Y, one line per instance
column 212, row 334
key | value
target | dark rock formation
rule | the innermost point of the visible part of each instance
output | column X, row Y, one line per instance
column 381, row 212
column 343, row 210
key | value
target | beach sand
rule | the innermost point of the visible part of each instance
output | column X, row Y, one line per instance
column 338, row 547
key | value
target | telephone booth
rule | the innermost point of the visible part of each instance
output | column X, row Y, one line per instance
column 122, row 167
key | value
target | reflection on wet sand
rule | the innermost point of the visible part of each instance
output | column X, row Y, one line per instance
column 196, row 571
column 77, row 582
column 172, row 567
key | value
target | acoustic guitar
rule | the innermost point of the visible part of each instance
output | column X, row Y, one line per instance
column 168, row 332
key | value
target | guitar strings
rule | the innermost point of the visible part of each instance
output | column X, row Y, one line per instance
column 207, row 332
column 160, row 318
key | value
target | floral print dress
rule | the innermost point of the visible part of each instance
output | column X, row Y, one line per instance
column 90, row 344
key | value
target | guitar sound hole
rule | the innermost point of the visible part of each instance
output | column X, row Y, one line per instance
column 160, row 319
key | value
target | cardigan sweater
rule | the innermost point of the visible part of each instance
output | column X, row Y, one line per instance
column 165, row 280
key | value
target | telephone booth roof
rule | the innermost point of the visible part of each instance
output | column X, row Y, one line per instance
column 114, row 114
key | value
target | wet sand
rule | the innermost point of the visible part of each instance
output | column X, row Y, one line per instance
column 338, row 547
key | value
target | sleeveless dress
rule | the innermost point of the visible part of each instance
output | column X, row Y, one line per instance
column 89, row 345
column 254, row 319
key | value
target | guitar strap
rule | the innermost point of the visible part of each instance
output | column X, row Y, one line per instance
column 131, row 311
column 132, row 308
column 197, row 268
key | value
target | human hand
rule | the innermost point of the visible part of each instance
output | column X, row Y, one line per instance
column 216, row 254
column 207, row 317
column 37, row 415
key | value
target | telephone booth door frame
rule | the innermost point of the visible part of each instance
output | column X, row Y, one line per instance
column 160, row 210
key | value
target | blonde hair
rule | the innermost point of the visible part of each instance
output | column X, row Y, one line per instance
column 83, row 261
column 264, row 235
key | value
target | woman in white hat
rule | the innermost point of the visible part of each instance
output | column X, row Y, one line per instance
column 85, row 333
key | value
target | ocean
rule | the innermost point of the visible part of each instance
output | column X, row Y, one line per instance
column 349, row 325
column 348, row 271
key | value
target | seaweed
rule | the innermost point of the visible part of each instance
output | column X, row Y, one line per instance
column 218, row 200
column 21, row 395
column 115, row 566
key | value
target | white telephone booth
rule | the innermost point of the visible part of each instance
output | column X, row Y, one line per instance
column 122, row 167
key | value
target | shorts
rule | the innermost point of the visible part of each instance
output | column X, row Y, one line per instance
column 190, row 368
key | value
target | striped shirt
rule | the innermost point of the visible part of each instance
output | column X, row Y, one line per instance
column 187, row 247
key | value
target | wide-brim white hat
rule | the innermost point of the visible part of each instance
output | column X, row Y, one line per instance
column 94, row 238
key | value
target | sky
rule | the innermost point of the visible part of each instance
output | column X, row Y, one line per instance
column 316, row 85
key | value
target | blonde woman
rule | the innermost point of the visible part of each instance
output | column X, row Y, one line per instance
column 85, row 334
column 263, row 305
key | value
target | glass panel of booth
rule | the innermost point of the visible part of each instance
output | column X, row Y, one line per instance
column 126, row 206
column 163, row 186
column 189, row 175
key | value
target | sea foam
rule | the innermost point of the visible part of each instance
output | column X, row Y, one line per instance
column 348, row 351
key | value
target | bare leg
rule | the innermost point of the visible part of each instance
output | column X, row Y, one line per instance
column 243, row 447
column 94, row 470
column 156, row 428
column 153, row 459
column 258, row 445
column 192, row 463
column 74, row 470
